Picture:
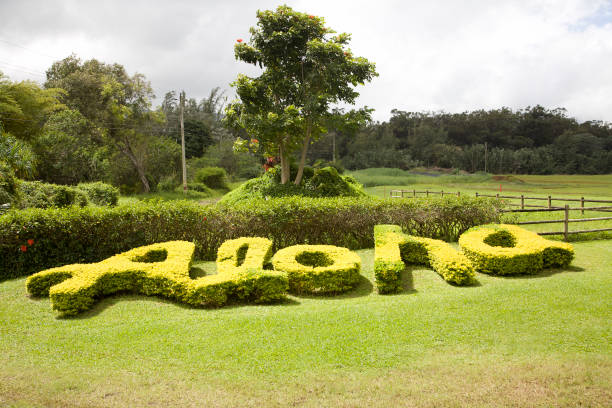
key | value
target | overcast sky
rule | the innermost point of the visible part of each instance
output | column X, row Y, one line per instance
column 431, row 55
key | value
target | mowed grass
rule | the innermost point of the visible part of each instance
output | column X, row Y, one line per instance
column 597, row 187
column 531, row 341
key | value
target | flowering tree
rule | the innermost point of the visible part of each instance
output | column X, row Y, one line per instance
column 306, row 69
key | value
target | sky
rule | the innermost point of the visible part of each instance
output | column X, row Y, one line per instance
column 431, row 55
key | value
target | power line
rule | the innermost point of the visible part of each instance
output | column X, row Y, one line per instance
column 23, row 69
column 28, row 49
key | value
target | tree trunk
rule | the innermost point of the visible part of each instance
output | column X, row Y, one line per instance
column 300, row 173
column 284, row 164
column 127, row 150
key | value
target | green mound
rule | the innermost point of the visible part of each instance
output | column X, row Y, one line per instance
column 324, row 182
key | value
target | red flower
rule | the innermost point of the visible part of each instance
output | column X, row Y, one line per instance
column 30, row 242
column 254, row 141
column 204, row 218
column 239, row 40
column 311, row 16
column 24, row 248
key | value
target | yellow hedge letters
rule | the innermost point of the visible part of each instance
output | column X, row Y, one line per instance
column 163, row 269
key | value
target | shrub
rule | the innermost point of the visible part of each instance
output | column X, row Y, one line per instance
column 213, row 177
column 318, row 269
column 44, row 195
column 9, row 188
column 91, row 234
column 325, row 182
column 158, row 269
column 511, row 250
column 100, row 193
column 393, row 250
column 167, row 184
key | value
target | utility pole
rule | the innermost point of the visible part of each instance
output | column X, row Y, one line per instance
column 333, row 147
column 485, row 157
column 182, row 111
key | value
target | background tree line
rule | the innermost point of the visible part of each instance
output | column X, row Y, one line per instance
column 93, row 121
column 534, row 140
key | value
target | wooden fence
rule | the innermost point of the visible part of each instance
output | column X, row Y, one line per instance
column 414, row 193
column 549, row 207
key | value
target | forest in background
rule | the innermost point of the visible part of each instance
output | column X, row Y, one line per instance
column 534, row 140
column 93, row 121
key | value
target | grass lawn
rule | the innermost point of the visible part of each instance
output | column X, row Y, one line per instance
column 598, row 187
column 537, row 341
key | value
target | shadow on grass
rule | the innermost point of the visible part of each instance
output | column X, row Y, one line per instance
column 107, row 302
column 544, row 274
column 363, row 288
column 408, row 281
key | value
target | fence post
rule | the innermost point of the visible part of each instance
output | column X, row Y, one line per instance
column 549, row 202
column 442, row 193
column 522, row 202
column 458, row 193
column 477, row 194
column 497, row 195
column 427, row 193
column 582, row 205
column 414, row 193
column 566, row 222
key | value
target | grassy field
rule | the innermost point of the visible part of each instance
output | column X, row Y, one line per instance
column 597, row 187
column 536, row 341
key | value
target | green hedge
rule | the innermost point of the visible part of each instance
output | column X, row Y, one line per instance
column 36, row 194
column 91, row 234
column 213, row 177
column 100, row 193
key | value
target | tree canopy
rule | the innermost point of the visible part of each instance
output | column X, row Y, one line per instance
column 306, row 70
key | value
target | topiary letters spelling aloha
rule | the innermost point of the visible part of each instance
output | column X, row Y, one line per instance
column 163, row 269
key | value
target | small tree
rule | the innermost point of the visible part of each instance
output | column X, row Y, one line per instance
column 307, row 69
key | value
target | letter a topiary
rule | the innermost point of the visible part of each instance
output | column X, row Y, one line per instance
column 158, row 269
column 394, row 249
column 163, row 270
column 510, row 250
column 318, row 269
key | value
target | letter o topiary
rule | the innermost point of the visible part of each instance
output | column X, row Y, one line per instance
column 318, row 269
column 510, row 250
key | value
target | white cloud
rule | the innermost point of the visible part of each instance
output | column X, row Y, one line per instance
column 430, row 55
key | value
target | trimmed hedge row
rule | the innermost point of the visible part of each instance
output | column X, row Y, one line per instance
column 158, row 269
column 393, row 249
column 36, row 194
column 511, row 250
column 318, row 269
column 90, row 234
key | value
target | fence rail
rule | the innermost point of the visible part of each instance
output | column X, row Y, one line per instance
column 401, row 193
column 531, row 208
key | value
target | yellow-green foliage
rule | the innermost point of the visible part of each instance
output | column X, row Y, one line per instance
column 318, row 269
column 243, row 253
column 510, row 250
column 158, row 269
column 393, row 249
column 388, row 264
